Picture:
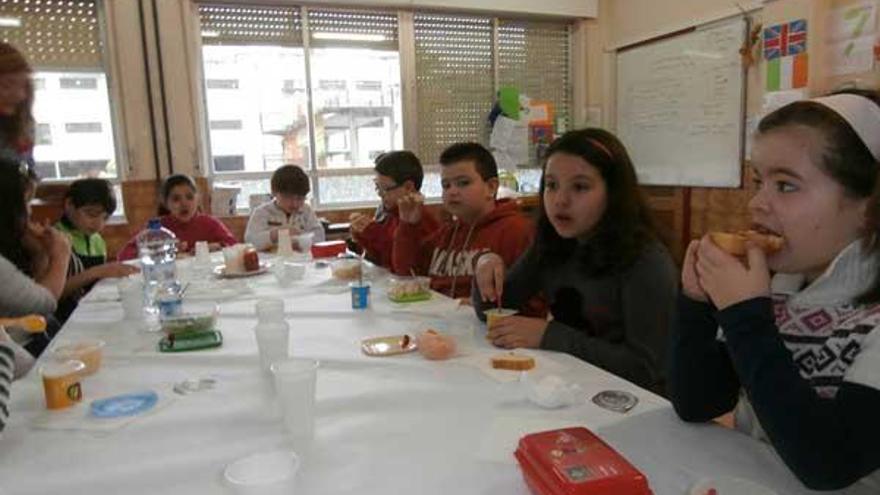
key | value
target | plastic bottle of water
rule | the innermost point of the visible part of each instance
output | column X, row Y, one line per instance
column 157, row 247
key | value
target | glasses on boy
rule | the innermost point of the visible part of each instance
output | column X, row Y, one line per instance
column 382, row 189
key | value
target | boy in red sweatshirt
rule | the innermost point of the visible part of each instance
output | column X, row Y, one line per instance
column 480, row 224
column 398, row 174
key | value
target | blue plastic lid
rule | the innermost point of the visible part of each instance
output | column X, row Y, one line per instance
column 154, row 224
column 124, row 405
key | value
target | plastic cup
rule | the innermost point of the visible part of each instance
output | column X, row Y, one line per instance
column 203, row 254
column 285, row 249
column 264, row 473
column 233, row 257
column 287, row 272
column 131, row 293
column 61, row 383
column 360, row 295
column 272, row 332
column 89, row 351
column 295, row 385
column 495, row 315
column 304, row 242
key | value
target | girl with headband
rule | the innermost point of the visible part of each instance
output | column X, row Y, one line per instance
column 791, row 340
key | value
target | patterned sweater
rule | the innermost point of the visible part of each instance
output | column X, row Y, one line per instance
column 7, row 369
column 802, row 369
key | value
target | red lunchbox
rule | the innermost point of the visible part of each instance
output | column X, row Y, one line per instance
column 574, row 461
column 328, row 249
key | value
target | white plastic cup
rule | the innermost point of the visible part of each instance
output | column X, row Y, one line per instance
column 233, row 257
column 304, row 242
column 286, row 272
column 131, row 293
column 272, row 332
column 203, row 253
column 295, row 385
column 285, row 250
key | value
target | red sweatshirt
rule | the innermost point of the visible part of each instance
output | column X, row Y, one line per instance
column 377, row 238
column 448, row 255
column 199, row 228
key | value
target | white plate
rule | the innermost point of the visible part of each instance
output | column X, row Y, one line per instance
column 388, row 346
column 220, row 271
column 729, row 486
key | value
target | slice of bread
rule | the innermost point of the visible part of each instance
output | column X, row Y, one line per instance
column 735, row 242
column 511, row 361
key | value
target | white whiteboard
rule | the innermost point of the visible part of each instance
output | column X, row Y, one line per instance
column 680, row 107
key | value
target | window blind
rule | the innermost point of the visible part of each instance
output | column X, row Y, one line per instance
column 534, row 57
column 453, row 80
column 250, row 25
column 54, row 34
column 353, row 28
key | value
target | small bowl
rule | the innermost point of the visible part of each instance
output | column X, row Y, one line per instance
column 409, row 289
column 193, row 318
column 346, row 269
column 89, row 351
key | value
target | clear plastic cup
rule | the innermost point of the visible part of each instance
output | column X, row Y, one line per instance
column 131, row 293
column 203, row 254
column 285, row 249
column 304, row 242
column 89, row 351
column 264, row 473
column 295, row 385
column 287, row 272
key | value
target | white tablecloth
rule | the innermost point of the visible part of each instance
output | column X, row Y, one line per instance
column 384, row 425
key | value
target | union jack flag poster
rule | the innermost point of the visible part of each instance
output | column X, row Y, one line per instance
column 782, row 40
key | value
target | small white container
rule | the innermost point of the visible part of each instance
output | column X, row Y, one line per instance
column 264, row 473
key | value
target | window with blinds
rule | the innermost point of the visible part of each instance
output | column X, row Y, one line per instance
column 457, row 61
column 353, row 81
column 62, row 41
column 534, row 57
column 255, row 70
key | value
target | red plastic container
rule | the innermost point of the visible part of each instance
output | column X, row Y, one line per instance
column 328, row 249
column 574, row 461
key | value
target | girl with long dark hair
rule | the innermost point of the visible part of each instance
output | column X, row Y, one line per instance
column 610, row 283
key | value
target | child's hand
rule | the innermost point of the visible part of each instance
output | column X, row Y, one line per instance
column 182, row 247
column 116, row 270
column 53, row 241
column 690, row 282
column 489, row 274
column 518, row 331
column 726, row 279
column 359, row 222
column 410, row 207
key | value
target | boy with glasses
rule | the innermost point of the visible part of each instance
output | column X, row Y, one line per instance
column 398, row 175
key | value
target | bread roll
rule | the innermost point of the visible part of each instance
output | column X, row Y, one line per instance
column 735, row 242
column 513, row 361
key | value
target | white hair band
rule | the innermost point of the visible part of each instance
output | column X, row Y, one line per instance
column 861, row 113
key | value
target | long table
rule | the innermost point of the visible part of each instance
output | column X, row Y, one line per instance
column 387, row 425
